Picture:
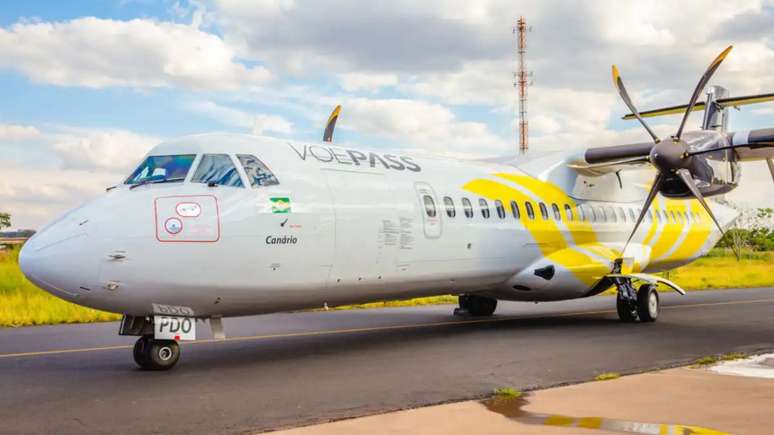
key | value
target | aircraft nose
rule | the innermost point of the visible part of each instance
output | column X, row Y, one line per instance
column 56, row 260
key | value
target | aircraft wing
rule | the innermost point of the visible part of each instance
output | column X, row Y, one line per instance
column 748, row 145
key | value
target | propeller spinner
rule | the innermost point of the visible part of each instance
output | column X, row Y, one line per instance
column 671, row 157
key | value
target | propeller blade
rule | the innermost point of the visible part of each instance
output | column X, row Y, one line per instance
column 685, row 175
column 700, row 87
column 331, row 124
column 628, row 101
column 651, row 195
column 770, row 162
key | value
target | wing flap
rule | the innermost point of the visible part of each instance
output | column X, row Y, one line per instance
column 651, row 279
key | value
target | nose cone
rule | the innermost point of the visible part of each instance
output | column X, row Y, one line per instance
column 58, row 260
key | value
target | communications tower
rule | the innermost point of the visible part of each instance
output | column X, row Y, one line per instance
column 522, row 82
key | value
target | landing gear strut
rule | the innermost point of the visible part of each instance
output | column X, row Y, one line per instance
column 475, row 305
column 152, row 354
column 632, row 304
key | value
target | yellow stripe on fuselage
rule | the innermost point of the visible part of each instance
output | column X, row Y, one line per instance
column 582, row 253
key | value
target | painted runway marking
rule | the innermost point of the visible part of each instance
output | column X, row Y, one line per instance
column 374, row 329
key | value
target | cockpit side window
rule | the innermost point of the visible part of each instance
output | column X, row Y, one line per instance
column 162, row 169
column 257, row 173
column 217, row 169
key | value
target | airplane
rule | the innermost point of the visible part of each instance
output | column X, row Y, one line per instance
column 217, row 225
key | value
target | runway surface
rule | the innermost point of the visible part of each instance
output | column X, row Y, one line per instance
column 292, row 369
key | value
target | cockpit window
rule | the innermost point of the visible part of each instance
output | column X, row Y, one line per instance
column 162, row 169
column 257, row 172
column 217, row 169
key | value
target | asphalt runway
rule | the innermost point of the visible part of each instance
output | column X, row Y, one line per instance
column 294, row 369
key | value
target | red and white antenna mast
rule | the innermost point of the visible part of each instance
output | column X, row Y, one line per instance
column 522, row 82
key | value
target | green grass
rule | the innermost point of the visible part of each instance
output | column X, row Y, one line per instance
column 508, row 392
column 22, row 304
column 607, row 376
column 714, row 359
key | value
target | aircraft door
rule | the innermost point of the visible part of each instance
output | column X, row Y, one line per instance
column 430, row 210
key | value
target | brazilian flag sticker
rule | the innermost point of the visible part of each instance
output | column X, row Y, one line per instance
column 280, row 205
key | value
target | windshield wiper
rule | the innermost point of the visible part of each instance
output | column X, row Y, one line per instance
column 166, row 180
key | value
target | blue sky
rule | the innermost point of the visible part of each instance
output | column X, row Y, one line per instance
column 89, row 86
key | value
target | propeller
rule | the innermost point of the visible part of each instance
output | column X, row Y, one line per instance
column 671, row 156
column 331, row 124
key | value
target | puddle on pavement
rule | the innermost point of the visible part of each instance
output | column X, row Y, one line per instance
column 513, row 408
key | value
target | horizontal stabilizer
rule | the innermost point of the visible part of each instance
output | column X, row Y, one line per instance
column 722, row 102
column 651, row 279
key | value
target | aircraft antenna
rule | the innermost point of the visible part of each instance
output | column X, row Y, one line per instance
column 521, row 81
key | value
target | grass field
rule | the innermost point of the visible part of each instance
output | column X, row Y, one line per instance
column 21, row 303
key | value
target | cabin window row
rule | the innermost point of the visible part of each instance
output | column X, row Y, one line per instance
column 584, row 212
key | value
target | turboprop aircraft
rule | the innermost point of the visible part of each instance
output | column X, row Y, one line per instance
column 218, row 225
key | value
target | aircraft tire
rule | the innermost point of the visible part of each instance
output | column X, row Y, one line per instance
column 627, row 312
column 647, row 303
column 139, row 353
column 152, row 354
column 478, row 306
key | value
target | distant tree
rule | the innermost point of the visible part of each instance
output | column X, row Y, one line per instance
column 5, row 220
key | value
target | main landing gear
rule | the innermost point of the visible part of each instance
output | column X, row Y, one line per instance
column 475, row 305
column 633, row 304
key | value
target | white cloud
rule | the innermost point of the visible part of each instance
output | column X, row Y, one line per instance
column 367, row 81
column 416, row 123
column 256, row 123
column 141, row 53
column 109, row 150
column 16, row 132
column 74, row 165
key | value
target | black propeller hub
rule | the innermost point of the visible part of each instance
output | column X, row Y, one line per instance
column 670, row 155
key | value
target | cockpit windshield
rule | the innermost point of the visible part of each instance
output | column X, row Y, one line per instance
column 162, row 169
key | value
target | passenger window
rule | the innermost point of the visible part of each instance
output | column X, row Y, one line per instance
column 594, row 214
column 610, row 214
column 468, row 207
column 543, row 211
column 633, row 215
column 583, row 213
column 500, row 209
column 674, row 219
column 257, row 173
column 530, row 210
column 568, row 212
column 217, row 170
column 515, row 210
column 601, row 214
column 557, row 213
column 650, row 215
column 429, row 206
column 484, row 208
column 621, row 214
column 162, row 169
column 449, row 203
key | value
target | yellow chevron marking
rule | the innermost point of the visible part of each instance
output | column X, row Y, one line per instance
column 581, row 231
column 698, row 233
column 550, row 238
column 546, row 233
column 670, row 233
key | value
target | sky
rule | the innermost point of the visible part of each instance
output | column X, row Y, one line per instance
column 88, row 87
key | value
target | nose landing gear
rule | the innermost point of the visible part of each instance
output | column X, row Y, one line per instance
column 632, row 304
column 152, row 354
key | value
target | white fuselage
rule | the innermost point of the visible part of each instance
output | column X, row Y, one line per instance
column 348, row 226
